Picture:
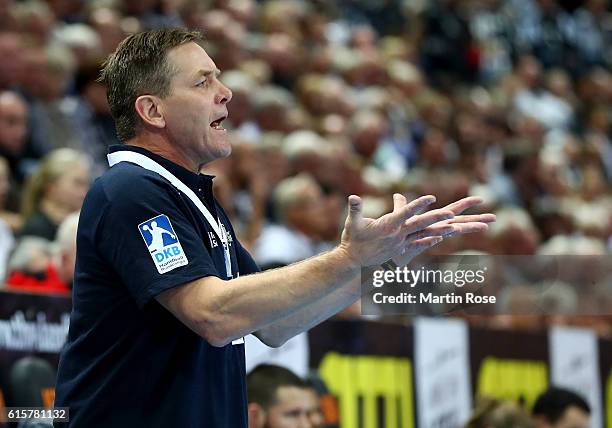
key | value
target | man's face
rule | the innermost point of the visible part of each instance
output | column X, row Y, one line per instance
column 295, row 408
column 13, row 123
column 196, row 105
column 573, row 417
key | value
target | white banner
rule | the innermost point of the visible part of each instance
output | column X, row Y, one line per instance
column 574, row 364
column 442, row 373
column 292, row 355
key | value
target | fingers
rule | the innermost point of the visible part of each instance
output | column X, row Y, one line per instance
column 463, row 204
column 399, row 201
column 355, row 207
column 423, row 239
column 480, row 218
column 432, row 231
column 420, row 245
column 473, row 227
column 424, row 220
column 420, row 204
column 403, row 213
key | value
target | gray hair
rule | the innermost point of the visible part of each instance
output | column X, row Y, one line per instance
column 27, row 247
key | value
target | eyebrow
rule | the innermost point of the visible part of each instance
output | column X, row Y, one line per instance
column 207, row 73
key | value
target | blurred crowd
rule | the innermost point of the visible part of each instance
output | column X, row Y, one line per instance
column 509, row 100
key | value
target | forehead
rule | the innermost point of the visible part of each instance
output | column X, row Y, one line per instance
column 12, row 103
column 574, row 416
column 190, row 59
column 290, row 396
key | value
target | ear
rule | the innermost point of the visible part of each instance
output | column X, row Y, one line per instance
column 150, row 110
column 257, row 415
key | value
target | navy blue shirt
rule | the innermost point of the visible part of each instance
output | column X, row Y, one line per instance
column 128, row 362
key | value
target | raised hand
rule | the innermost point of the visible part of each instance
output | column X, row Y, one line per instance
column 408, row 230
column 370, row 242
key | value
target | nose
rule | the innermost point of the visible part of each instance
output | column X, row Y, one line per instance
column 224, row 95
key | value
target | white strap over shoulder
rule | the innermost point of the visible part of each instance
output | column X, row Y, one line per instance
column 149, row 164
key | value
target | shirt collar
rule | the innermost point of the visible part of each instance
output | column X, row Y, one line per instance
column 191, row 179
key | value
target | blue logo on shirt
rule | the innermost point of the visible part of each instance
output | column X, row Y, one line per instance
column 158, row 233
column 163, row 244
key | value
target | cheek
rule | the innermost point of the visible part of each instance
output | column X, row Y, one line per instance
column 71, row 190
column 187, row 126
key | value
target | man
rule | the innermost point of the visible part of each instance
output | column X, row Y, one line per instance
column 14, row 133
column 155, row 335
column 561, row 408
column 280, row 399
column 300, row 208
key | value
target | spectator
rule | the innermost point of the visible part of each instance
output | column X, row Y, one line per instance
column 448, row 50
column 31, row 268
column 545, row 30
column 9, row 221
column 536, row 102
column 10, row 47
column 65, row 243
column 560, row 408
column 301, row 214
column 280, row 399
column 7, row 214
column 45, row 81
column 91, row 116
column 107, row 23
column 492, row 413
column 55, row 190
column 593, row 33
column 13, row 134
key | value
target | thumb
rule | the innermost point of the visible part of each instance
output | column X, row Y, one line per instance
column 354, row 214
column 399, row 201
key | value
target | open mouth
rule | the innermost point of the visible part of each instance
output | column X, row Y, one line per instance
column 216, row 125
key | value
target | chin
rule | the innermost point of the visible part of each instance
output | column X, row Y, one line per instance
column 225, row 151
column 221, row 153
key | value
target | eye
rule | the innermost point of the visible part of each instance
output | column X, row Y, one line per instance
column 202, row 83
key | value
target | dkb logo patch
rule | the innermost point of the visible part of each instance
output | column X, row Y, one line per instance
column 163, row 244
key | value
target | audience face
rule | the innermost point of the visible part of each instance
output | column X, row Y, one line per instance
column 35, row 80
column 294, row 408
column 95, row 94
column 13, row 123
column 10, row 47
column 315, row 413
column 573, row 417
column 529, row 70
column 308, row 215
column 107, row 23
column 70, row 188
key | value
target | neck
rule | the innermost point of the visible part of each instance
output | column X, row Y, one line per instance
column 56, row 213
column 162, row 147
